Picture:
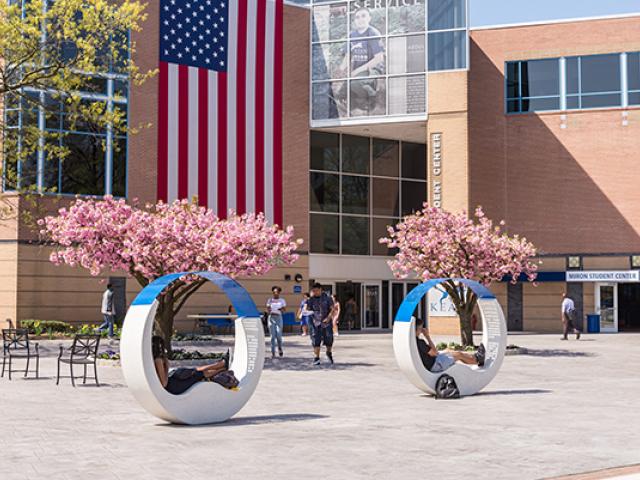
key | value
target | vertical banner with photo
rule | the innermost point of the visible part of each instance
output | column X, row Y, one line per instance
column 368, row 59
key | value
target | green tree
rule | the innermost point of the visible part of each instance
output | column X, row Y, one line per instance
column 50, row 51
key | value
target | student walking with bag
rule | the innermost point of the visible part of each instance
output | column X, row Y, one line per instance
column 569, row 314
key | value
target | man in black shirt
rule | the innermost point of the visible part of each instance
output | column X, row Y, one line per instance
column 435, row 361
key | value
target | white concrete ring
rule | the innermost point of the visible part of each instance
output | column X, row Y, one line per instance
column 469, row 379
column 205, row 402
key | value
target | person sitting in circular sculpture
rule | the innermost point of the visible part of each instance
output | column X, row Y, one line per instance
column 436, row 361
column 179, row 380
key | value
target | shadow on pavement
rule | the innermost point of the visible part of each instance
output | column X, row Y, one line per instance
column 555, row 352
column 256, row 420
column 305, row 364
column 530, row 391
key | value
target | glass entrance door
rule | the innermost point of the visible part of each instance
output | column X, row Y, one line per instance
column 607, row 306
column 371, row 310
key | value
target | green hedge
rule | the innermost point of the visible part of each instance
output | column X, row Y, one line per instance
column 37, row 327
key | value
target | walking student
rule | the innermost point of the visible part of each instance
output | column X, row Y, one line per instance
column 569, row 314
column 276, row 306
column 304, row 315
column 108, row 311
column 321, row 305
column 335, row 314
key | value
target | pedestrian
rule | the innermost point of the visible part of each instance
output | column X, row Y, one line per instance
column 304, row 315
column 276, row 306
column 335, row 314
column 108, row 311
column 569, row 314
column 322, row 331
column 350, row 312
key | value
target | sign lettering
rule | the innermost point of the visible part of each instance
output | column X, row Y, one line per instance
column 436, row 170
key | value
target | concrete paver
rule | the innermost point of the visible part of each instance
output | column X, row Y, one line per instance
column 564, row 408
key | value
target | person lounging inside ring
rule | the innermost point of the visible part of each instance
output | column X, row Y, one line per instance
column 436, row 361
column 179, row 380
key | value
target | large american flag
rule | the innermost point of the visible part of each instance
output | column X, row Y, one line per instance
column 220, row 104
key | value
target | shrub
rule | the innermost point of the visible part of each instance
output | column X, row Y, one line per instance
column 179, row 354
column 38, row 327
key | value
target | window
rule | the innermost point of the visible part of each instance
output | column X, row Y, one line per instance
column 533, row 85
column 447, row 35
column 359, row 186
column 633, row 77
column 593, row 81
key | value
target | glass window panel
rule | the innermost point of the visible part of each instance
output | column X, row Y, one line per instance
column 324, row 233
column 325, row 151
column 447, row 14
column 51, row 166
column 540, row 104
column 414, row 160
column 601, row 101
column 573, row 102
column 368, row 18
column 633, row 70
column 368, row 97
column 119, row 186
column 76, row 119
column 600, row 73
column 355, row 154
column 407, row 95
column 447, row 50
column 414, row 194
column 329, row 60
column 378, row 231
column 83, row 167
column 29, row 168
column 634, row 98
column 120, row 88
column 53, row 113
column 355, row 235
column 324, row 192
column 12, row 118
column 355, row 194
column 386, row 158
column 329, row 22
column 367, row 57
column 540, row 78
column 573, row 75
column 406, row 17
column 385, row 197
column 329, row 100
column 407, row 54
column 513, row 106
column 513, row 79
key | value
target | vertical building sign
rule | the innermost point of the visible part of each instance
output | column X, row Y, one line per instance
column 436, row 170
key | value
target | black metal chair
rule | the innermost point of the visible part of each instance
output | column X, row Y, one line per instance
column 16, row 344
column 83, row 351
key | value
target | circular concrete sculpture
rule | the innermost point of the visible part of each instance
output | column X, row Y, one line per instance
column 205, row 402
column 469, row 379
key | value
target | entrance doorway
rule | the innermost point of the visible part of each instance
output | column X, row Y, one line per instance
column 350, row 311
column 397, row 292
column 606, row 299
column 371, row 294
column 629, row 310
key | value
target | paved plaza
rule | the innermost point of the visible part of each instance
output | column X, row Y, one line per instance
column 563, row 408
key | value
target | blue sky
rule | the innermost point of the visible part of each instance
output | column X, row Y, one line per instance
column 495, row 12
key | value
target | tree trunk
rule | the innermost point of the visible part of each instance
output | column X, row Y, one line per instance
column 164, row 319
column 465, row 302
column 466, row 330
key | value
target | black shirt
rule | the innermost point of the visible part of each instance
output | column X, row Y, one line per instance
column 423, row 350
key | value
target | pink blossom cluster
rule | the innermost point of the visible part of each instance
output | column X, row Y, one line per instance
column 149, row 242
column 433, row 243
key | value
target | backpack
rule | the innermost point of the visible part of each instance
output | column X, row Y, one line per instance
column 227, row 379
column 446, row 387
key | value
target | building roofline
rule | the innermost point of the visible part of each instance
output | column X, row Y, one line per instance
column 295, row 4
column 559, row 21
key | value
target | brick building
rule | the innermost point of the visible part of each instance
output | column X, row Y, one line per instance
column 538, row 123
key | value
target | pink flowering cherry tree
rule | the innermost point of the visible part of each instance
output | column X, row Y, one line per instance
column 147, row 243
column 433, row 243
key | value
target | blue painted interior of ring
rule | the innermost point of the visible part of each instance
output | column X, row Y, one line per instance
column 239, row 297
column 409, row 304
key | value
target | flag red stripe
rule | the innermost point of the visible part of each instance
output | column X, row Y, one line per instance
column 203, row 139
column 163, row 128
column 259, row 107
column 222, row 145
column 183, row 131
column 277, row 115
column 241, row 114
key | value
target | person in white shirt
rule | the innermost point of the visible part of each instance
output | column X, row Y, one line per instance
column 568, row 317
column 108, row 311
column 276, row 306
